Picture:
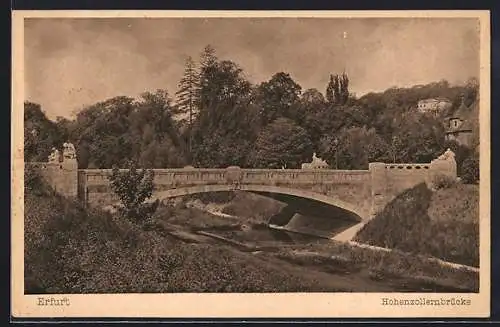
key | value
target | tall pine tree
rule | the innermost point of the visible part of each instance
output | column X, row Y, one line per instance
column 188, row 94
column 208, row 69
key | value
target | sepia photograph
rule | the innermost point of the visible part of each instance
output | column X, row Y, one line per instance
column 315, row 164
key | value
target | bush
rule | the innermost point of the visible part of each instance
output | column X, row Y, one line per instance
column 134, row 187
column 470, row 170
column 441, row 181
column 33, row 181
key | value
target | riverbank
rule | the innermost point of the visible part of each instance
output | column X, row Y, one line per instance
column 424, row 273
column 73, row 250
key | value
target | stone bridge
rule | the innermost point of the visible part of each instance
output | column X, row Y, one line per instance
column 355, row 194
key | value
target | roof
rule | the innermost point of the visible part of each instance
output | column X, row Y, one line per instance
column 465, row 127
column 443, row 99
column 463, row 112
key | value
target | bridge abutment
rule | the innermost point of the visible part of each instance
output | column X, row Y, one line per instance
column 378, row 180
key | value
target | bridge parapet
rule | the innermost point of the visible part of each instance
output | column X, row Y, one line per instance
column 372, row 188
column 388, row 180
column 94, row 183
column 232, row 174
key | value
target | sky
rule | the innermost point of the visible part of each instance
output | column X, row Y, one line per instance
column 74, row 62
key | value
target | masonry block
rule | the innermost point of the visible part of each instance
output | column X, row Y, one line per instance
column 378, row 180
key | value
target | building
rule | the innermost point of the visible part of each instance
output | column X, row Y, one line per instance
column 433, row 105
column 458, row 128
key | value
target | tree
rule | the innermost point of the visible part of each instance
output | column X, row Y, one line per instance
column 337, row 90
column 208, row 68
column 155, row 110
column 64, row 127
column 281, row 144
column 225, row 127
column 330, row 89
column 188, row 95
column 223, row 88
column 103, row 133
column 119, row 129
column 277, row 96
column 471, row 91
column 469, row 172
column 343, row 88
column 40, row 133
column 311, row 115
column 354, row 148
column 208, row 56
column 395, row 145
column 420, row 138
column 313, row 97
column 134, row 187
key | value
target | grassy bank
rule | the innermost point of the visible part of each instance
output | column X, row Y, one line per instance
column 71, row 250
column 443, row 224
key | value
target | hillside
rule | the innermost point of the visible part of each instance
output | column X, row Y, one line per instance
column 442, row 224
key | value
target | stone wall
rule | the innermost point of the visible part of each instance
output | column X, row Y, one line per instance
column 94, row 183
column 61, row 176
column 389, row 180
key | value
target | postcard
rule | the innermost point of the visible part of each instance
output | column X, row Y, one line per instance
column 250, row 164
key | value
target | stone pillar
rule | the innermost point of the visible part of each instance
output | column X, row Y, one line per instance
column 378, row 179
column 68, row 178
column 447, row 167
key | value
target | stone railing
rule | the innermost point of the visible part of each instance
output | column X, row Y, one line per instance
column 235, row 175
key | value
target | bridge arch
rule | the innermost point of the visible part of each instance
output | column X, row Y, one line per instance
column 262, row 189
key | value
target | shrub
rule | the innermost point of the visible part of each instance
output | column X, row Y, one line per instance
column 33, row 181
column 441, row 181
column 470, row 170
column 134, row 187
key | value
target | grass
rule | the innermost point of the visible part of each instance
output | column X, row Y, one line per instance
column 72, row 250
column 442, row 224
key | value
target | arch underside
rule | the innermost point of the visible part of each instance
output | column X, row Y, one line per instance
column 301, row 201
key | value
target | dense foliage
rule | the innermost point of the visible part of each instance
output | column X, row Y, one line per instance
column 133, row 188
column 220, row 119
